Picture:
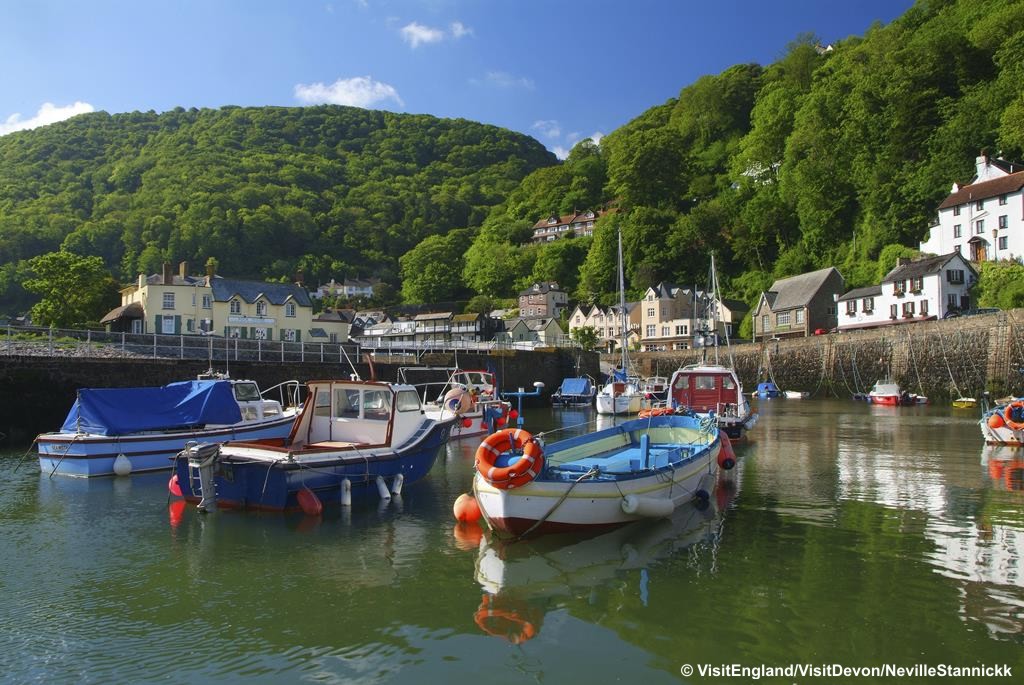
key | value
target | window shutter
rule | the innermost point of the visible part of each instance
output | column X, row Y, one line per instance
column 244, row 332
column 177, row 324
column 159, row 320
column 298, row 335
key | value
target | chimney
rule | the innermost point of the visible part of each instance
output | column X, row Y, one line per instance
column 168, row 274
column 211, row 270
column 982, row 164
column 183, row 269
column 902, row 261
column 300, row 277
column 142, row 281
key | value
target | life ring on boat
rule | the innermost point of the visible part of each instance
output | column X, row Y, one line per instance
column 516, row 474
column 503, row 623
column 657, row 411
column 458, row 400
column 1015, row 407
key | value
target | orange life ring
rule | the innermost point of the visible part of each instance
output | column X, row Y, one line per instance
column 515, row 629
column 517, row 474
column 1008, row 415
column 657, row 411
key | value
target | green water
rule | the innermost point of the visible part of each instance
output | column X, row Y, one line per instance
column 852, row 535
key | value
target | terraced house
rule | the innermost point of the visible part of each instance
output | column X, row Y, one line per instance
column 799, row 305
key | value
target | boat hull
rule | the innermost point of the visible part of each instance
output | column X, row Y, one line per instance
column 620, row 404
column 86, row 456
column 885, row 400
column 243, row 482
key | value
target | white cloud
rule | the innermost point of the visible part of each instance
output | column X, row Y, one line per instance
column 459, row 30
column 502, row 79
column 596, row 136
column 417, row 34
column 548, row 128
column 358, row 91
column 48, row 113
column 560, row 151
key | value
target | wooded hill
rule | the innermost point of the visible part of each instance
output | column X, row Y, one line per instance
column 823, row 158
column 268, row 192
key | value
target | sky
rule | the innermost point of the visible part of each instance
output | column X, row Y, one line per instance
column 558, row 70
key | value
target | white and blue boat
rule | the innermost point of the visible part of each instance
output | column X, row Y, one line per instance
column 118, row 431
column 575, row 392
column 351, row 438
column 641, row 468
column 768, row 391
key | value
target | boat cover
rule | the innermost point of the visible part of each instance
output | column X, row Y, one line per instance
column 118, row 411
column 767, row 387
column 575, row 386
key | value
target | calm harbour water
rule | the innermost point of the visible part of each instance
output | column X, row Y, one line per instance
column 853, row 535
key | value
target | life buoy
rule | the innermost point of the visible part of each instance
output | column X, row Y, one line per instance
column 1008, row 413
column 458, row 401
column 503, row 623
column 516, row 474
column 657, row 411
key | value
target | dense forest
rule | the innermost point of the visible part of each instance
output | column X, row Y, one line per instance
column 268, row 192
column 823, row 158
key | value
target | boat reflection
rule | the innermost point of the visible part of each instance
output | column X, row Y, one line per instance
column 1005, row 466
column 523, row 580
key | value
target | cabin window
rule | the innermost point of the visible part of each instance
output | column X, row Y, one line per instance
column 407, row 400
column 322, row 406
column 346, row 403
column 682, row 383
column 705, row 383
column 377, row 405
column 246, row 392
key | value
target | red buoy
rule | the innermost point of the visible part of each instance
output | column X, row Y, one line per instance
column 726, row 456
column 309, row 502
column 466, row 423
column 996, row 421
column 500, row 422
column 466, row 509
column 513, row 414
column 173, row 486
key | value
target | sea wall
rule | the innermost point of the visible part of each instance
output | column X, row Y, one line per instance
column 36, row 391
column 940, row 359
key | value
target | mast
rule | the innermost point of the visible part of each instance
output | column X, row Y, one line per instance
column 622, row 306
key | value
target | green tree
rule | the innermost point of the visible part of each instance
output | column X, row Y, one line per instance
column 1000, row 284
column 432, row 271
column 74, row 290
column 585, row 337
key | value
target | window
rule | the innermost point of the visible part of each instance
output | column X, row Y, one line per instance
column 650, row 311
column 289, row 334
column 377, row 404
column 868, row 305
column 908, row 309
column 952, row 301
column 704, row 383
column 260, row 333
column 924, row 308
column 956, row 211
column 261, row 308
column 650, row 331
column 136, row 326
column 190, row 325
column 979, row 226
column 799, row 316
column 764, row 323
column 954, row 275
column 168, row 301
column 236, row 306
column 1002, row 200
column 782, row 319
column 1002, row 242
column 957, row 231
column 666, row 331
column 980, row 204
column 407, row 400
column 897, row 287
column 1003, row 221
column 965, row 302
column 167, row 325
column 851, row 307
column 894, row 311
column 727, row 383
column 917, row 284
column 681, row 330
column 207, row 302
column 346, row 403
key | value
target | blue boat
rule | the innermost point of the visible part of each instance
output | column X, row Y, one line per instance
column 352, row 437
column 767, row 391
column 118, row 431
column 574, row 392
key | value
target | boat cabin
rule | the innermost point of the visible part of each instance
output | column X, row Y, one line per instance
column 251, row 403
column 349, row 413
column 707, row 388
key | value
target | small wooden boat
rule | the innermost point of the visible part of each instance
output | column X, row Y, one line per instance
column 797, row 395
column 471, row 394
column 641, row 468
column 712, row 389
column 117, row 431
column 965, row 403
column 352, row 437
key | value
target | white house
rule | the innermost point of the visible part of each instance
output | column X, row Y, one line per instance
column 918, row 290
column 984, row 220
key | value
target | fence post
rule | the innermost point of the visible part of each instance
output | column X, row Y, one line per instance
column 321, row 353
column 154, row 344
column 88, row 339
column 302, row 352
column 283, row 343
column 181, row 347
column 259, row 350
column 122, row 340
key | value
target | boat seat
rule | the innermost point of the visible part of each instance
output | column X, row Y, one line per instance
column 332, row 445
column 669, row 435
column 592, row 449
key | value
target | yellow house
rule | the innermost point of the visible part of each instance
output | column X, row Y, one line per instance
column 174, row 304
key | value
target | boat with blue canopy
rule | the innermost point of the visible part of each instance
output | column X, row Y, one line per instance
column 767, row 390
column 117, row 431
column 574, row 392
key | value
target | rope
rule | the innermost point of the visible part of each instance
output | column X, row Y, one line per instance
column 589, row 474
column 913, row 359
column 942, row 346
column 27, row 452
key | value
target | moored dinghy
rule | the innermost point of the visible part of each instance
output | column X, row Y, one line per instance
column 641, row 468
column 352, row 437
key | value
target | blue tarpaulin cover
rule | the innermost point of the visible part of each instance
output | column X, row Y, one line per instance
column 575, row 386
column 619, row 375
column 118, row 411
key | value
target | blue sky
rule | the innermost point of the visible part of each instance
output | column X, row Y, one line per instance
column 559, row 70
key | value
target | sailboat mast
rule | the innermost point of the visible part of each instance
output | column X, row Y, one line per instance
column 622, row 305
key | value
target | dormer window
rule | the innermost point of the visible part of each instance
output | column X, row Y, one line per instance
column 261, row 308
column 289, row 310
column 552, row 219
column 236, row 306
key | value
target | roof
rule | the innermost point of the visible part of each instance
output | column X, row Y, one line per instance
column 434, row 315
column 128, row 311
column 250, row 291
column 870, row 291
column 986, row 189
column 465, row 317
column 665, row 290
column 556, row 220
column 335, row 316
column 921, row 267
column 798, row 291
column 317, row 333
column 735, row 306
column 541, row 288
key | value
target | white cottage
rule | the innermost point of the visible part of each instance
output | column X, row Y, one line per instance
column 919, row 290
column 984, row 220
